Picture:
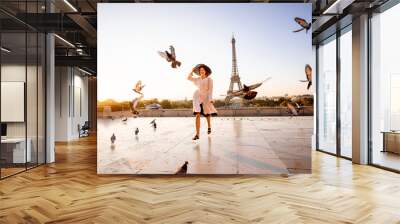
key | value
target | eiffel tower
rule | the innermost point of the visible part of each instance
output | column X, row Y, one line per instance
column 235, row 79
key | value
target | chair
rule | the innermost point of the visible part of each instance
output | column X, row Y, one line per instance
column 84, row 130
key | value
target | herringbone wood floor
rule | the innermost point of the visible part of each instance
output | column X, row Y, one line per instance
column 70, row 191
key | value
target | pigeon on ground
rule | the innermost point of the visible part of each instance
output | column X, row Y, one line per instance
column 153, row 122
column 113, row 138
column 170, row 57
column 183, row 169
column 303, row 23
column 308, row 71
column 137, row 131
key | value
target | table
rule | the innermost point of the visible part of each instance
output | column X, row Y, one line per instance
column 391, row 141
column 15, row 148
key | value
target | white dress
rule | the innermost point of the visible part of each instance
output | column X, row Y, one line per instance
column 203, row 96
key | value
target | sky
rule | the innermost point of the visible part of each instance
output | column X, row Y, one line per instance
column 129, row 36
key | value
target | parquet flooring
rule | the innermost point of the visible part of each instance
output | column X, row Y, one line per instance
column 70, row 191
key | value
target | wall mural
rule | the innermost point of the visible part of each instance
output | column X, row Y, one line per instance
column 204, row 89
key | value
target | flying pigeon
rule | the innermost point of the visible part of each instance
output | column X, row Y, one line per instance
column 124, row 119
column 135, row 103
column 250, row 94
column 292, row 109
column 170, row 57
column 183, row 169
column 303, row 23
column 248, row 88
column 245, row 88
column 308, row 71
column 138, row 87
column 137, row 131
column 113, row 138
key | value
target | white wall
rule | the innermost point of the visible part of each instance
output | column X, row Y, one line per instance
column 12, row 73
column 62, row 81
column 33, row 126
column 71, row 102
column 80, row 110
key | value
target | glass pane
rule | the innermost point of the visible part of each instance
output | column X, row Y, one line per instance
column 13, row 87
column 327, row 96
column 385, row 86
column 31, row 98
column 346, row 94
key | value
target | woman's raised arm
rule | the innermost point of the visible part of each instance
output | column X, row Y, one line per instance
column 190, row 76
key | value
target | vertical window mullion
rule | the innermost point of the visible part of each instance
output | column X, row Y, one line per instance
column 37, row 90
column 338, row 80
column 26, row 86
column 316, row 96
column 369, row 77
column 0, row 93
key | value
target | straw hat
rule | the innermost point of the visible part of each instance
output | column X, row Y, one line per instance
column 197, row 69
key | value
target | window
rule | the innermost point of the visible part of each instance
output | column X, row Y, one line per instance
column 385, row 89
column 22, row 99
column 327, row 96
column 346, row 93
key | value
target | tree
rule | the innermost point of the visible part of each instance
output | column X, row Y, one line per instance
column 166, row 104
